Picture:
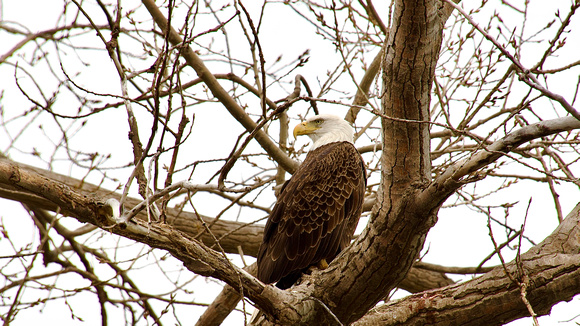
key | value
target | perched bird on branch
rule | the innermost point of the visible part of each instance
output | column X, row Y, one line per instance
column 318, row 209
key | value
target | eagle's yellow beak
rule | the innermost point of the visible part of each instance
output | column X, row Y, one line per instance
column 305, row 128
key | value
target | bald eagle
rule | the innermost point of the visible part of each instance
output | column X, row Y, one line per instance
column 318, row 208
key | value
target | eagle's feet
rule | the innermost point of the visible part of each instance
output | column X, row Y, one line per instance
column 320, row 265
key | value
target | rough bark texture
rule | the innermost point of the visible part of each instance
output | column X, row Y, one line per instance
column 552, row 268
column 551, row 271
column 383, row 254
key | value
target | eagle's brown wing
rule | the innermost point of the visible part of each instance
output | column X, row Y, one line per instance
column 316, row 213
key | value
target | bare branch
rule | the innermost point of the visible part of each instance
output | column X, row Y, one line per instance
column 237, row 112
column 453, row 176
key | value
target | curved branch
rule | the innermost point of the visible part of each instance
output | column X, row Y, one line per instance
column 553, row 269
column 231, row 234
column 454, row 175
column 49, row 190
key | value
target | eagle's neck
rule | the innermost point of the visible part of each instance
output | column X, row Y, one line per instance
column 338, row 133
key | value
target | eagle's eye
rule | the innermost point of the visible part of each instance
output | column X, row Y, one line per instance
column 318, row 121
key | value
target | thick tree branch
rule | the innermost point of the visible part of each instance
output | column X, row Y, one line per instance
column 417, row 280
column 553, row 269
column 362, row 275
column 23, row 183
column 404, row 203
column 223, row 304
column 195, row 256
column 379, row 259
column 230, row 233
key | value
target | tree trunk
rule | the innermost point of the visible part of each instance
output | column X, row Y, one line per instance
column 381, row 257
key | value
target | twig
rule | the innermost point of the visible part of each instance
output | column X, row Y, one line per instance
column 217, row 90
column 524, row 73
column 523, row 279
column 234, row 157
column 253, row 45
column 453, row 270
column 241, row 286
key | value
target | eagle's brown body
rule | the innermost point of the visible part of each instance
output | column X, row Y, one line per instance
column 316, row 213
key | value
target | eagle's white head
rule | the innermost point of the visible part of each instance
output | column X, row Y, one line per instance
column 324, row 129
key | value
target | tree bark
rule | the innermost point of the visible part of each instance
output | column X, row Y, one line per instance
column 552, row 268
column 232, row 235
column 380, row 258
column 551, row 271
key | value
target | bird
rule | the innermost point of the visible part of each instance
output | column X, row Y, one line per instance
column 318, row 208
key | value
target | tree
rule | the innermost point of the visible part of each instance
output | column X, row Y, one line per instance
column 473, row 117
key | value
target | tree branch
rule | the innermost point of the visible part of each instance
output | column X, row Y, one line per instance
column 454, row 176
column 217, row 90
column 196, row 257
column 231, row 234
column 553, row 268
